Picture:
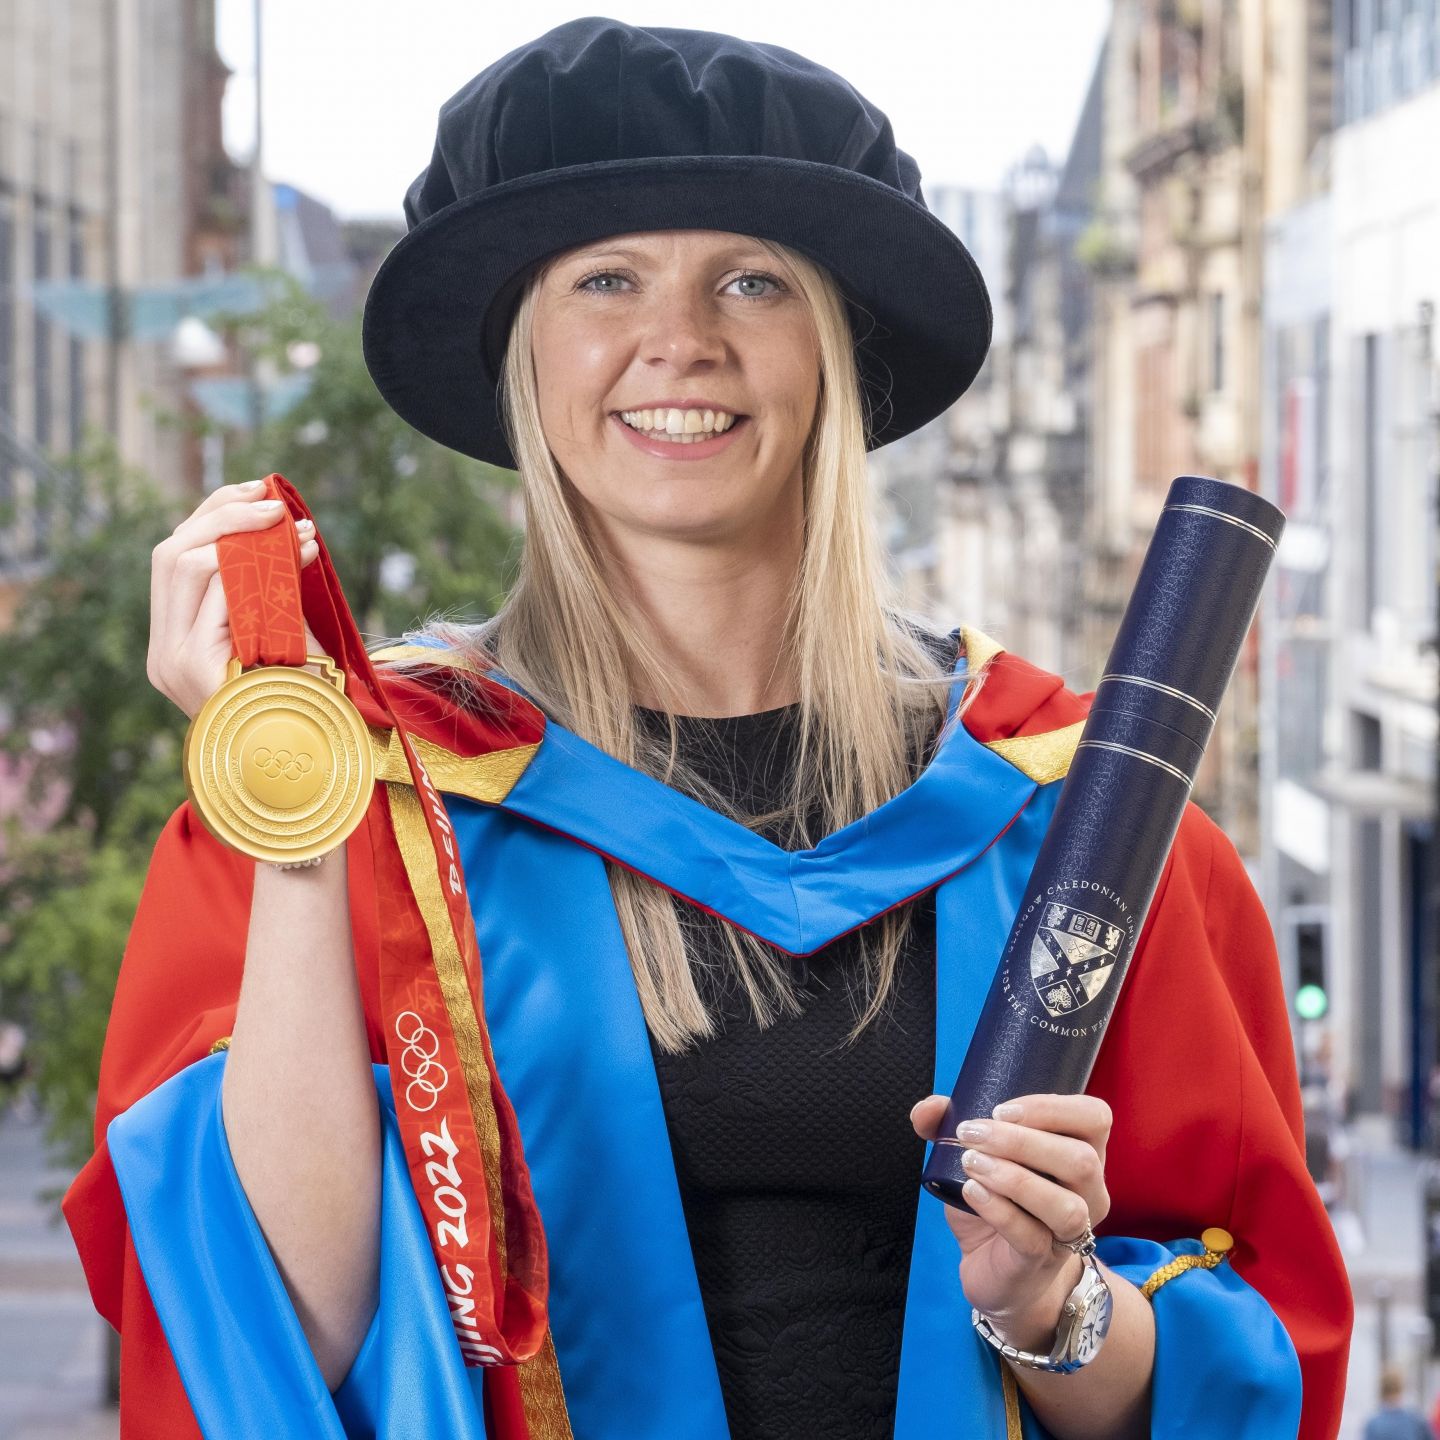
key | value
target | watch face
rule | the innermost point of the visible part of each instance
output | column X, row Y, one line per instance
column 1094, row 1327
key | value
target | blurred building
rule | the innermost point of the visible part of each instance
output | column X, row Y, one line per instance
column 1352, row 279
column 1170, row 301
column 1126, row 352
column 937, row 535
column 1235, row 273
column 1046, row 472
column 986, row 504
column 299, row 234
column 313, row 245
column 1177, row 332
column 112, row 175
column 1109, row 245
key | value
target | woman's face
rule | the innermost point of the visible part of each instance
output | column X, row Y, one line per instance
column 693, row 333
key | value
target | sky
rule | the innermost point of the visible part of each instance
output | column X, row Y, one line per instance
column 352, row 89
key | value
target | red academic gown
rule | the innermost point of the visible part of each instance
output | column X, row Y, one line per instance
column 1197, row 1062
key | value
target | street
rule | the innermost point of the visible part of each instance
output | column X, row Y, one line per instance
column 1381, row 1236
column 52, row 1343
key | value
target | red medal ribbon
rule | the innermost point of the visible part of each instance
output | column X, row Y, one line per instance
column 461, row 1139
column 260, row 571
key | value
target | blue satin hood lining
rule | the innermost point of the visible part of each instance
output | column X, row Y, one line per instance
column 796, row 900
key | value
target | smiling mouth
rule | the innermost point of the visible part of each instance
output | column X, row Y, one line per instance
column 679, row 427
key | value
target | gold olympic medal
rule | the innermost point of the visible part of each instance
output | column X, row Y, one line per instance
column 278, row 762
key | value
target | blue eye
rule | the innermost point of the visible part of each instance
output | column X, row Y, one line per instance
column 598, row 275
column 759, row 275
column 587, row 283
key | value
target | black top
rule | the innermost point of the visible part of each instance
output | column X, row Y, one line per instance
column 798, row 1167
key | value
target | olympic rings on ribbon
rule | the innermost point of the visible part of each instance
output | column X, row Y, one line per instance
column 418, row 1061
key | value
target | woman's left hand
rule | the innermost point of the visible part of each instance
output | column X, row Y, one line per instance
column 1036, row 1175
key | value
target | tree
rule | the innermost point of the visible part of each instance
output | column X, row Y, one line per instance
column 74, row 666
column 74, row 659
column 412, row 529
column 412, row 526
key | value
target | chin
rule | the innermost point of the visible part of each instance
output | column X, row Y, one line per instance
column 691, row 524
column 679, row 508
column 689, row 506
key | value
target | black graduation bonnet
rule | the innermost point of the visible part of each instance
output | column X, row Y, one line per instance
column 601, row 128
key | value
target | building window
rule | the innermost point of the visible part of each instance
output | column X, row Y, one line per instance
column 43, row 336
column 1369, row 748
column 1369, row 998
column 44, row 383
column 1217, row 341
column 1409, row 524
column 1347, row 23
column 1371, row 499
column 1387, row 50
column 1320, row 352
column 39, row 171
column 76, row 347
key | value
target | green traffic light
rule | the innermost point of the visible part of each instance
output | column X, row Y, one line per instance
column 1311, row 1002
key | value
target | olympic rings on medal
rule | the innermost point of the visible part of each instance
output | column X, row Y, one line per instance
column 418, row 1061
column 275, row 763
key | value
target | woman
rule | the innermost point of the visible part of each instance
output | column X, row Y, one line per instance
column 708, row 1017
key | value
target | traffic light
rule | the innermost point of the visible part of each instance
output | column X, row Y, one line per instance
column 1311, row 1000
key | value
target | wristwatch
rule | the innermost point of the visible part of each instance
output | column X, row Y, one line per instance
column 1084, row 1323
column 298, row 864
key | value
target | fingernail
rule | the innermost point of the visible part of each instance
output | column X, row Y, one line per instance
column 252, row 485
column 974, row 1192
column 977, row 1160
column 269, row 505
column 304, row 524
column 972, row 1130
column 1010, row 1110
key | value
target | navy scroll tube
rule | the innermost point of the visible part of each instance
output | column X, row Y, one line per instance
column 1120, row 806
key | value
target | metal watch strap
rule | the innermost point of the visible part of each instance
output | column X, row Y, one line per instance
column 1064, row 1333
column 297, row 864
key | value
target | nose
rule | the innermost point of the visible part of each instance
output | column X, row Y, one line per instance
column 683, row 331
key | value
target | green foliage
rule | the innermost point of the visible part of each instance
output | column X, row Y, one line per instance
column 386, row 500
column 62, row 956
column 75, row 668
column 1100, row 249
column 80, row 708
column 75, row 655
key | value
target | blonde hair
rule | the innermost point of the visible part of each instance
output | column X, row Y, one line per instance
column 871, row 695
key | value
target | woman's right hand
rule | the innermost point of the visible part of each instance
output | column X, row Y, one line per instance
column 190, row 644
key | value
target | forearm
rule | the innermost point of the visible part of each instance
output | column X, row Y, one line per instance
column 1108, row 1399
column 300, row 1108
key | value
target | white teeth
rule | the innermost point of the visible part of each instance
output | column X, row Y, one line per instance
column 682, row 426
